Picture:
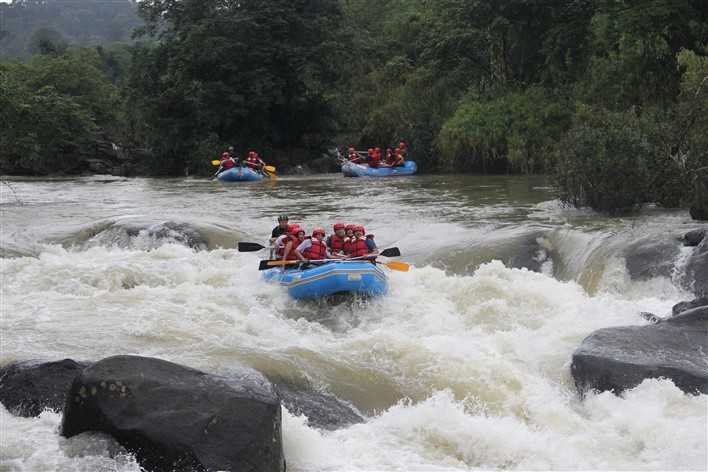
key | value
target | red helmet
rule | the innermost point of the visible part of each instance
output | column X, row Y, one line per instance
column 297, row 230
column 359, row 228
column 339, row 226
column 317, row 231
column 350, row 227
column 225, row 155
column 292, row 228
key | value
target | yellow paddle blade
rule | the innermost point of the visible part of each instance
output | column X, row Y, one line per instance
column 399, row 266
column 215, row 162
column 270, row 169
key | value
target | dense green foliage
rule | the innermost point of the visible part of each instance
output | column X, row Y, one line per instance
column 609, row 95
column 25, row 24
column 53, row 109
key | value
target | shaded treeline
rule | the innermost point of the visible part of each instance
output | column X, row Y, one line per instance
column 609, row 95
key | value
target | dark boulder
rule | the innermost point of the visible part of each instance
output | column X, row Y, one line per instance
column 685, row 306
column 615, row 359
column 649, row 258
column 699, row 207
column 176, row 418
column 696, row 273
column 28, row 388
column 694, row 238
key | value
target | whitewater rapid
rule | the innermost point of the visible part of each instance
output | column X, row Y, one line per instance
column 463, row 366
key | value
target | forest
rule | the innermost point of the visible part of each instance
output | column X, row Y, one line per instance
column 610, row 97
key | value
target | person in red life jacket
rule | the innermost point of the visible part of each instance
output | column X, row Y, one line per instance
column 314, row 248
column 255, row 162
column 360, row 245
column 348, row 237
column 282, row 241
column 389, row 160
column 398, row 159
column 335, row 242
column 226, row 162
column 296, row 237
column 375, row 158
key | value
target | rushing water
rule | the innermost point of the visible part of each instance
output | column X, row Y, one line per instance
column 463, row 365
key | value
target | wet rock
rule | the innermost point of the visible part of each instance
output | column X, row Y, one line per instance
column 323, row 410
column 649, row 258
column 28, row 388
column 685, row 306
column 615, row 359
column 693, row 238
column 651, row 317
column 699, row 207
column 176, row 418
column 696, row 273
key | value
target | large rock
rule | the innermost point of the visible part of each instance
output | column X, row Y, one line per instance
column 649, row 258
column 693, row 238
column 699, row 207
column 616, row 359
column 696, row 273
column 28, row 388
column 685, row 306
column 176, row 418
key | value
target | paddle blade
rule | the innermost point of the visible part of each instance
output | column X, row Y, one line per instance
column 250, row 247
column 215, row 162
column 270, row 169
column 390, row 252
column 264, row 265
column 399, row 266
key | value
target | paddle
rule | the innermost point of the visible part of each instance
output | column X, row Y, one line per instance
column 390, row 252
column 250, row 247
column 393, row 265
column 215, row 162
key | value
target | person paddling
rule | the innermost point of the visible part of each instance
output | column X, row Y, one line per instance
column 297, row 236
column 314, row 248
column 360, row 245
column 335, row 242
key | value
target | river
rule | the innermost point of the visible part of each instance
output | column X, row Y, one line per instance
column 464, row 365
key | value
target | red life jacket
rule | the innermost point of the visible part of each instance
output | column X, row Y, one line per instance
column 252, row 162
column 317, row 251
column 280, row 250
column 227, row 163
column 335, row 243
column 347, row 246
column 375, row 160
column 359, row 247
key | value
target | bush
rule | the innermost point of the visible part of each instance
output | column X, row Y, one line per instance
column 602, row 162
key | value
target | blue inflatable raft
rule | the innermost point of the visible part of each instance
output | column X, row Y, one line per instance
column 358, row 277
column 239, row 174
column 349, row 169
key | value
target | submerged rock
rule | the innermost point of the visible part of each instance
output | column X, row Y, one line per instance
column 176, row 418
column 322, row 410
column 685, row 306
column 617, row 359
column 693, row 238
column 649, row 258
column 28, row 388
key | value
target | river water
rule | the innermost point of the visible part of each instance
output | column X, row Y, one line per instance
column 464, row 365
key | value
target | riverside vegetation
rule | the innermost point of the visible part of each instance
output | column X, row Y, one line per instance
column 610, row 96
